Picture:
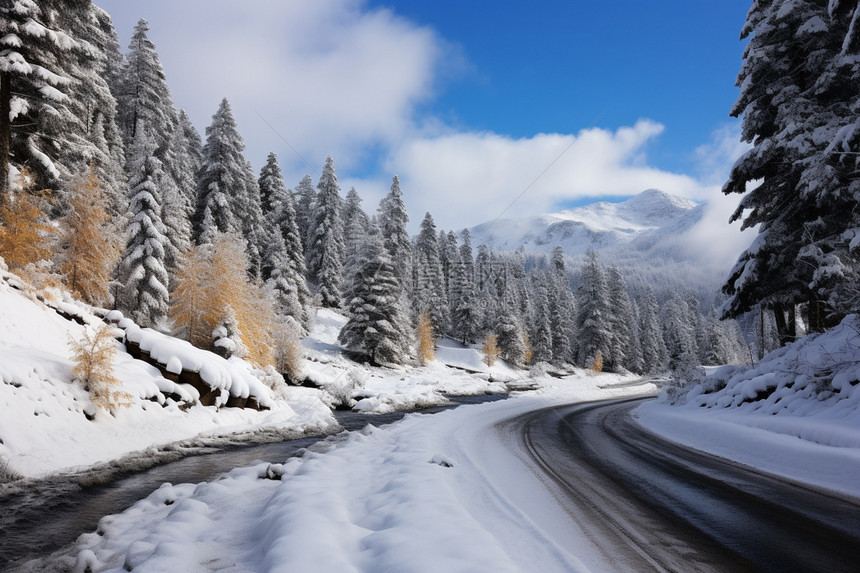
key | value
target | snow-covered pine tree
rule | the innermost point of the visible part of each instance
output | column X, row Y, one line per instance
column 227, row 190
column 593, row 319
column 35, row 82
column 654, row 352
column 378, row 325
column 304, row 197
column 540, row 335
column 284, row 259
column 620, row 316
column 466, row 257
column 393, row 220
column 466, row 318
column 562, row 308
column 142, row 272
column 634, row 362
column 679, row 334
column 430, row 290
column 510, row 336
column 325, row 245
column 355, row 226
column 144, row 98
column 799, row 93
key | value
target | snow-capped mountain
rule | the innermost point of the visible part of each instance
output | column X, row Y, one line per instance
column 642, row 222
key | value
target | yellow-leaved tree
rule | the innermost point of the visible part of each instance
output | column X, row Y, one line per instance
column 89, row 247
column 426, row 339
column 491, row 349
column 212, row 290
column 25, row 232
column 189, row 301
column 93, row 356
column 597, row 364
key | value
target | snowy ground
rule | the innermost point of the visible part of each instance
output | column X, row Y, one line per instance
column 795, row 414
column 430, row 493
column 44, row 414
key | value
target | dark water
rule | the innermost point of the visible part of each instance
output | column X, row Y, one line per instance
column 54, row 513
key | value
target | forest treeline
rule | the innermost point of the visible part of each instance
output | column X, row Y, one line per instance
column 107, row 188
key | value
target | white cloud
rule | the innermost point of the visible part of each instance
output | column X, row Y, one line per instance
column 469, row 177
column 330, row 76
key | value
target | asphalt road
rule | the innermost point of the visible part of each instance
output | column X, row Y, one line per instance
column 651, row 505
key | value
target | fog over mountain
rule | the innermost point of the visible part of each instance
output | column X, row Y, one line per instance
column 646, row 236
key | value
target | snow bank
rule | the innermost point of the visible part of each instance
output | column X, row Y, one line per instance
column 232, row 376
column 431, row 493
column 48, row 424
column 794, row 414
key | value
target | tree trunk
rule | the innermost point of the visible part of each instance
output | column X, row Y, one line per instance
column 815, row 311
column 786, row 326
column 5, row 133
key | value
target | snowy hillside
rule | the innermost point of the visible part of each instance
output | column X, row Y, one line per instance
column 640, row 221
column 49, row 424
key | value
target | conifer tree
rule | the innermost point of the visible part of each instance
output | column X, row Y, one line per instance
column 35, row 83
column 378, row 326
column 355, row 225
column 304, row 198
column 654, row 352
column 283, row 259
column 620, row 318
column 466, row 315
column 466, row 257
column 325, row 247
column 679, row 334
column 142, row 271
column 430, row 289
column 592, row 321
column 393, row 220
column 88, row 249
column 510, row 339
column 541, row 333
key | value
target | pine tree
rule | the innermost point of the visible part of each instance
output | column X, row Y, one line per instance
column 35, row 82
column 378, row 326
column 799, row 94
column 142, row 271
column 592, row 321
column 355, row 225
column 654, row 352
column 510, row 340
column 88, row 246
column 221, row 180
column 620, row 316
column 325, row 246
column 541, row 333
column 304, row 198
column 430, row 290
column 393, row 220
column 283, row 258
column 679, row 334
column 466, row 317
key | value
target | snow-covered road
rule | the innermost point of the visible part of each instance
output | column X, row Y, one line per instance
column 654, row 505
column 431, row 493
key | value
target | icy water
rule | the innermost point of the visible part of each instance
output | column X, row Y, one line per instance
column 53, row 514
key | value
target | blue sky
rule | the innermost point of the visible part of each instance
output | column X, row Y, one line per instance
column 468, row 102
column 559, row 66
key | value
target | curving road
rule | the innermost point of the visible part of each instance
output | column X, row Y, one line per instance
column 652, row 505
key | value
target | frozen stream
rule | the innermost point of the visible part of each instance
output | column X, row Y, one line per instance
column 55, row 512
